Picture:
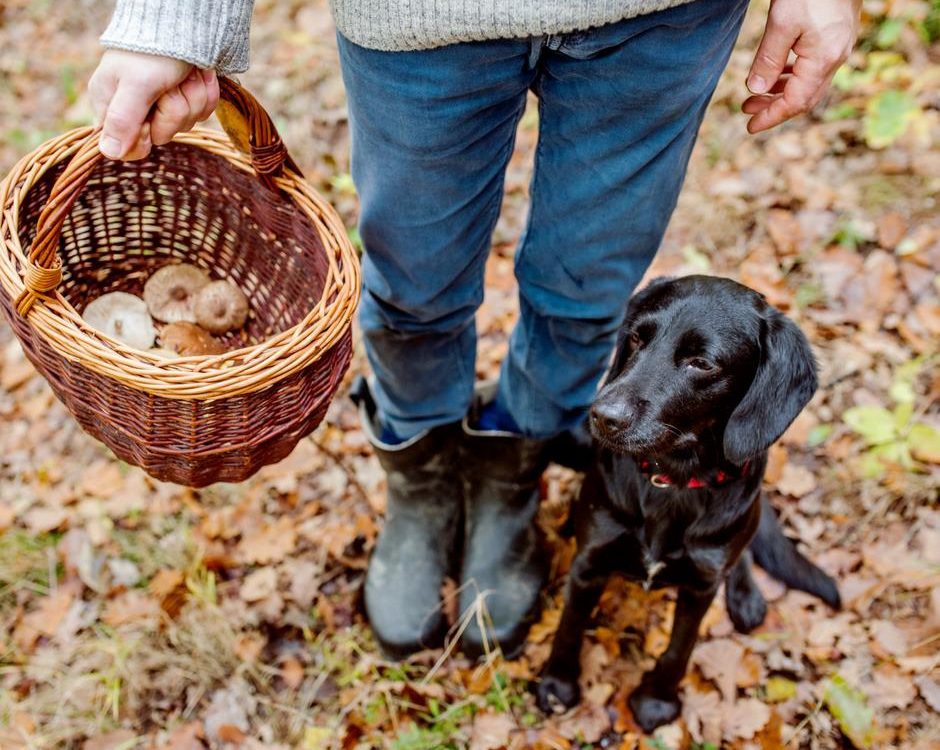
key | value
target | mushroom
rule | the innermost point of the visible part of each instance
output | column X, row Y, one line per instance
column 188, row 339
column 122, row 316
column 171, row 292
column 221, row 307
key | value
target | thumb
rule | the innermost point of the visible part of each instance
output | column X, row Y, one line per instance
column 124, row 118
column 771, row 56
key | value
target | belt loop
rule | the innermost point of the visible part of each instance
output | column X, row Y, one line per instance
column 536, row 43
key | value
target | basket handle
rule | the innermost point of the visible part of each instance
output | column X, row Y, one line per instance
column 245, row 121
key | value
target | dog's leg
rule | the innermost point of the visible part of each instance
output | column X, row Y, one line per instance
column 558, row 688
column 656, row 701
column 746, row 606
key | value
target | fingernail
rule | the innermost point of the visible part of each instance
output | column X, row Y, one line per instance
column 110, row 147
column 757, row 84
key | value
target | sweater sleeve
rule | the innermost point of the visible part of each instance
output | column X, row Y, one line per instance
column 206, row 33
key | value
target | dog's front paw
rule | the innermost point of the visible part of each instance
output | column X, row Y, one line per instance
column 556, row 695
column 746, row 608
column 651, row 710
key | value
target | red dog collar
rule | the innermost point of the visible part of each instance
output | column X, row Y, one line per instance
column 658, row 479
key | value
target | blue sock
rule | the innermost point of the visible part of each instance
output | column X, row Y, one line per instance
column 494, row 416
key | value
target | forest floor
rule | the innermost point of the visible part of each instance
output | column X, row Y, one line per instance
column 135, row 614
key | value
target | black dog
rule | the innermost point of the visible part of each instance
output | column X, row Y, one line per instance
column 705, row 378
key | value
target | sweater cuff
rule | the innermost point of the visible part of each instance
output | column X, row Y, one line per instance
column 206, row 33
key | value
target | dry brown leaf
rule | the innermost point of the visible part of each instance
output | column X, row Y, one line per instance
column 187, row 737
column 42, row 520
column 776, row 460
column 891, row 230
column 119, row 738
column 16, row 369
column 702, row 714
column 796, row 480
column 44, row 620
column 744, row 718
column 545, row 628
column 292, row 672
column 272, row 543
column 890, row 689
column 259, row 585
column 131, row 606
column 6, row 517
column 719, row 660
column 889, row 637
column 929, row 690
column 248, row 646
column 102, row 479
column 784, row 230
column 587, row 723
column 491, row 731
column 231, row 733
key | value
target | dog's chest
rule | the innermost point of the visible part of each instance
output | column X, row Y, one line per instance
column 657, row 554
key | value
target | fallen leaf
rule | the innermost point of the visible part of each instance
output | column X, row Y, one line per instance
column 43, row 520
column 131, row 606
column 889, row 637
column 259, row 585
column 849, row 707
column 292, row 672
column 702, row 715
column 891, row 230
column 490, row 731
column 929, row 690
column 187, row 737
column 779, row 689
column 743, row 718
column 796, row 480
column 6, row 517
column 119, row 739
column 270, row 544
column 718, row 660
column 587, row 724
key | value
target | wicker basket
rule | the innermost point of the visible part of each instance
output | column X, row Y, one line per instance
column 75, row 226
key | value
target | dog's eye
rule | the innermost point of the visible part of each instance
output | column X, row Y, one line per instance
column 635, row 341
column 698, row 363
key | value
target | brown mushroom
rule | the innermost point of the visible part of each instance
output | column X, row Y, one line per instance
column 188, row 339
column 122, row 316
column 221, row 307
column 171, row 292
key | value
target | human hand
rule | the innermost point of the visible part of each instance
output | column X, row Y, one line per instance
column 821, row 33
column 144, row 100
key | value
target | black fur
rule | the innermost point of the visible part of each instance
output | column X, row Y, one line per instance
column 705, row 377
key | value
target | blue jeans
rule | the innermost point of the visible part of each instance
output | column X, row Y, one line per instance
column 432, row 132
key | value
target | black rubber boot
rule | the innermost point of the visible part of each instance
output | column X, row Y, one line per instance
column 420, row 543
column 504, row 561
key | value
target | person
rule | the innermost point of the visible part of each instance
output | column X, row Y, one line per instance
column 435, row 91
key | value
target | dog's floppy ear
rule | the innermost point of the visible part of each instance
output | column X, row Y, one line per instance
column 783, row 384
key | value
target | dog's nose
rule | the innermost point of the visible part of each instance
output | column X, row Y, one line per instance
column 612, row 416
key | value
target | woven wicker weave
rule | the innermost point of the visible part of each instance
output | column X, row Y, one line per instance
column 75, row 226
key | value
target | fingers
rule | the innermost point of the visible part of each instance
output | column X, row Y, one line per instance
column 180, row 108
column 801, row 92
column 771, row 56
column 124, row 120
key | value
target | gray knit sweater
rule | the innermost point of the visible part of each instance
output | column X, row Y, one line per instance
column 214, row 33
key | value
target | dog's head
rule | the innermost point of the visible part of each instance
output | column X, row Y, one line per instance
column 703, row 355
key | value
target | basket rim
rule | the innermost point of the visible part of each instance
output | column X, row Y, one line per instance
column 206, row 377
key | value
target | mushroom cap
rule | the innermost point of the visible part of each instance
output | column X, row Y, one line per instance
column 188, row 339
column 122, row 316
column 171, row 292
column 221, row 307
